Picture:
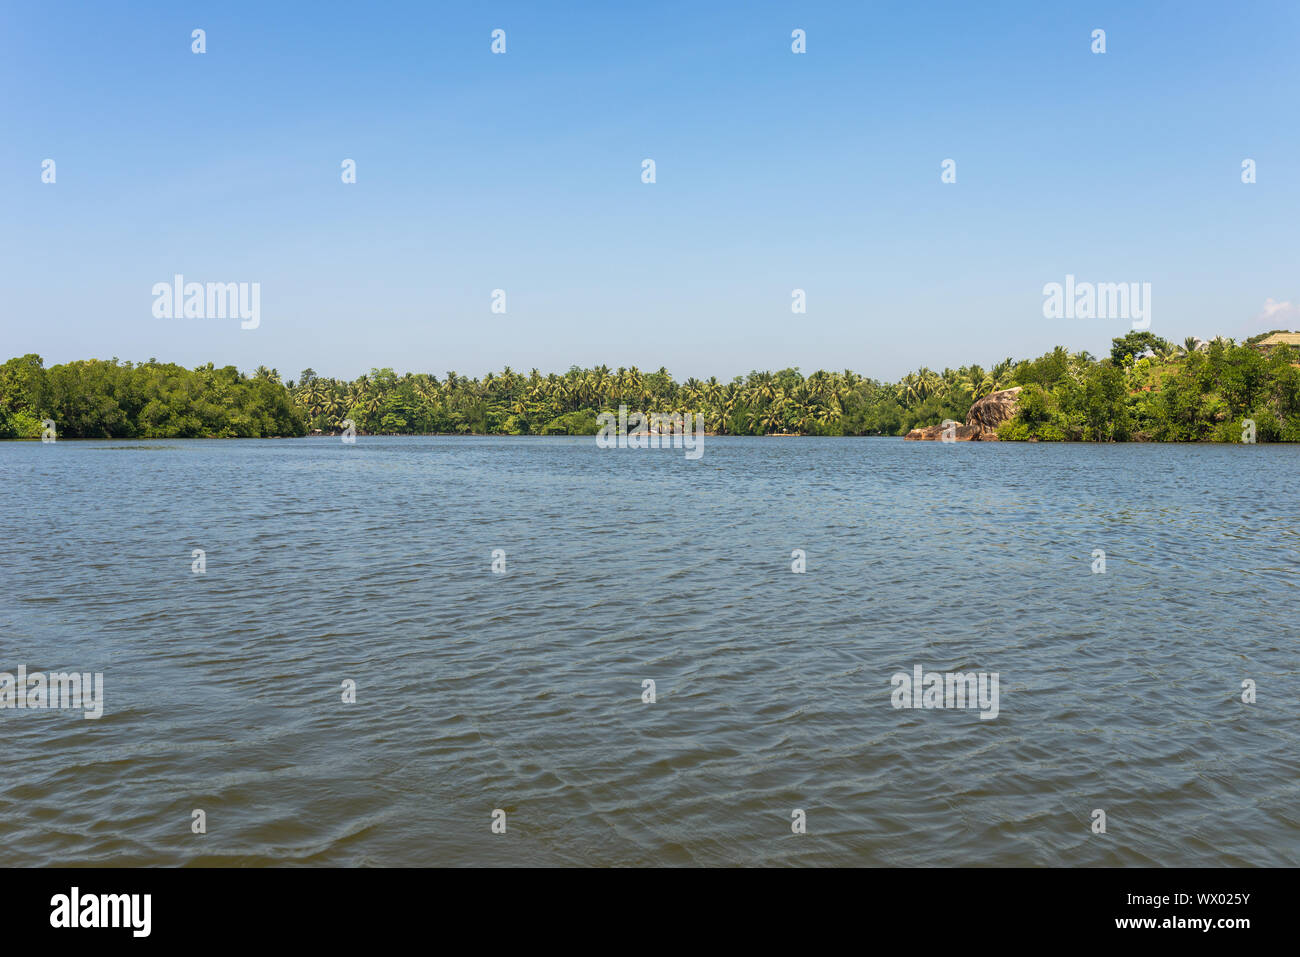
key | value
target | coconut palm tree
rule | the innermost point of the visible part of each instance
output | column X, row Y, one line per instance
column 773, row 417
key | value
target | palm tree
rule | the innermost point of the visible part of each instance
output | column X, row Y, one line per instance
column 1001, row 375
column 773, row 417
column 974, row 383
column 314, row 398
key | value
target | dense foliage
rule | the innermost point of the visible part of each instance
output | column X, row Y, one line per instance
column 1146, row 389
column 1150, row 390
column 824, row 403
column 94, row 399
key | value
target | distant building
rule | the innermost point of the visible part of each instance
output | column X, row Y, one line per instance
column 1279, row 339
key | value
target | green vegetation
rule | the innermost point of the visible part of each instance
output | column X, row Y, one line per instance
column 824, row 403
column 1146, row 390
column 1150, row 390
column 95, row 399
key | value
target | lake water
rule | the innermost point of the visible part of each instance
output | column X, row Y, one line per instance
column 522, row 691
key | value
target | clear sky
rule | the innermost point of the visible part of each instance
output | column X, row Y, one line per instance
column 522, row 172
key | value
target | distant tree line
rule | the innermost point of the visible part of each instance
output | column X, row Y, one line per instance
column 95, row 398
column 1147, row 389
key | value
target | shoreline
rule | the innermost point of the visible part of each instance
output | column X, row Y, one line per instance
column 500, row 435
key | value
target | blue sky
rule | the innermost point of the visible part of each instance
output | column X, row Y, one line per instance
column 521, row 171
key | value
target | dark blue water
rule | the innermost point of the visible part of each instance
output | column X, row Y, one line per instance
column 522, row 691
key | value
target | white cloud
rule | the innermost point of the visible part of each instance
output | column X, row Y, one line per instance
column 1278, row 315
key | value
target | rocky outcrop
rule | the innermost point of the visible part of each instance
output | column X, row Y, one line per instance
column 994, row 409
column 981, row 422
column 934, row 433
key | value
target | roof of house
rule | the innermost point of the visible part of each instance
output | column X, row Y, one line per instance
column 1282, row 339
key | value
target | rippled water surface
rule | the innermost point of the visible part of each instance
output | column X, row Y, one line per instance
column 522, row 691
